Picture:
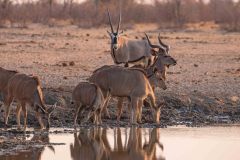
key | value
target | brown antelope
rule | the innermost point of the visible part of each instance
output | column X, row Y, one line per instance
column 125, row 82
column 156, row 75
column 124, row 50
column 155, row 78
column 88, row 99
column 27, row 90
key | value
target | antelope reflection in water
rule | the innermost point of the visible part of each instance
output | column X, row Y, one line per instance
column 33, row 152
column 95, row 144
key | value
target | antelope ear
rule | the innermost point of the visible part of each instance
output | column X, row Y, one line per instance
column 40, row 107
column 153, row 52
column 51, row 109
column 121, row 32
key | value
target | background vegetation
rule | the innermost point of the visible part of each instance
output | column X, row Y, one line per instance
column 92, row 13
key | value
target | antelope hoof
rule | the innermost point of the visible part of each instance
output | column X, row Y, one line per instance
column 75, row 127
column 107, row 116
column 7, row 126
column 19, row 128
column 134, row 123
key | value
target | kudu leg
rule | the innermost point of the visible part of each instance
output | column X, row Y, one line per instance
column 120, row 107
column 76, row 115
column 139, row 115
column 25, row 115
column 99, row 116
column 105, row 110
column 134, row 103
column 7, row 112
column 7, row 105
column 18, row 114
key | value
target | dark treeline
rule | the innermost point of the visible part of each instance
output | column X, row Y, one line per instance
column 92, row 13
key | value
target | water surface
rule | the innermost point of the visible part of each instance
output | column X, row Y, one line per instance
column 175, row 143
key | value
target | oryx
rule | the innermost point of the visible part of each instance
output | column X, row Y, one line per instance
column 124, row 50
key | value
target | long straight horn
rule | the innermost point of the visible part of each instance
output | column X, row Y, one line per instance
column 161, row 43
column 149, row 42
column 119, row 20
column 109, row 20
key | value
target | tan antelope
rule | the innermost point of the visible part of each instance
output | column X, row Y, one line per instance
column 124, row 50
column 27, row 90
column 124, row 82
column 88, row 100
column 156, row 75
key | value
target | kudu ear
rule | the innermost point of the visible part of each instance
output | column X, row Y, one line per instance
column 52, row 108
column 41, row 108
column 153, row 52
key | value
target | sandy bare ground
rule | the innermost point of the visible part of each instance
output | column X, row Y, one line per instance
column 208, row 60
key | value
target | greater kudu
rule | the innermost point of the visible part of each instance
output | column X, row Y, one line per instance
column 88, row 99
column 27, row 90
column 126, row 82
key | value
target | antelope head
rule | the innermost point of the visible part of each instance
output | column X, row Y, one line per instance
column 46, row 113
column 114, row 35
column 162, row 53
column 159, row 67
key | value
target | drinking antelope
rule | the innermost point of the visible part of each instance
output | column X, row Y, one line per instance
column 27, row 90
column 88, row 99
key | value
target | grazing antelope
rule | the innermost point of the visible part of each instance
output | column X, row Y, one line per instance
column 127, row 51
column 27, row 90
column 88, row 99
column 125, row 82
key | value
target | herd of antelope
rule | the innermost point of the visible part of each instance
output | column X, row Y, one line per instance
column 136, row 83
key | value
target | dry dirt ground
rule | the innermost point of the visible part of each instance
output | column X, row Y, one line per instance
column 203, row 86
